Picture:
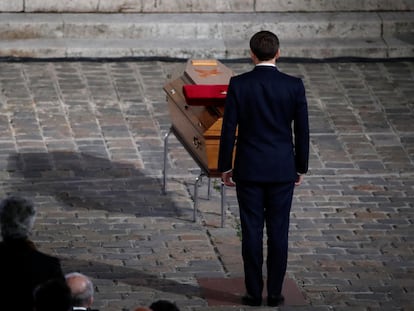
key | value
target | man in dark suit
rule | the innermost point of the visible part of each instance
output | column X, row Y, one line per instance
column 269, row 110
column 22, row 267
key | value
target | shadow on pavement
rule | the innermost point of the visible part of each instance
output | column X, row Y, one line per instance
column 83, row 181
column 129, row 276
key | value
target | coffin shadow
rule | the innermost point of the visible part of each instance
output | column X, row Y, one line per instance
column 84, row 181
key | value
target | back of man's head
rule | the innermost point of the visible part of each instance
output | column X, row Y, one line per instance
column 264, row 44
column 17, row 216
column 53, row 295
column 81, row 288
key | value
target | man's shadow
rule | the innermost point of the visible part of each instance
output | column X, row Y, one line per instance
column 88, row 182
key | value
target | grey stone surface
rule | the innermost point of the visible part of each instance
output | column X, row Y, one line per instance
column 84, row 141
column 174, row 6
column 11, row 6
column 198, row 26
column 334, row 5
column 207, row 35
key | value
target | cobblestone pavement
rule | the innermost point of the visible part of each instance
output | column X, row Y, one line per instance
column 84, row 141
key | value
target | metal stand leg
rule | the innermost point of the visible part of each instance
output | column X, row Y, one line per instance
column 223, row 202
column 209, row 189
column 196, row 185
column 197, row 182
column 164, row 171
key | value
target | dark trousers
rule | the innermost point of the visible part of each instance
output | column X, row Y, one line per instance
column 260, row 204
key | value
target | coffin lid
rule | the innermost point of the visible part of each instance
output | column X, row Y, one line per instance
column 207, row 71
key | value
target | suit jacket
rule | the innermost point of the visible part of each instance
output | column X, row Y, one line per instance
column 22, row 268
column 270, row 110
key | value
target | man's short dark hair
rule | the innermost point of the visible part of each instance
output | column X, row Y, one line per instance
column 264, row 44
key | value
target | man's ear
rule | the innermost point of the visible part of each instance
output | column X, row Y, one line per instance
column 277, row 54
column 253, row 57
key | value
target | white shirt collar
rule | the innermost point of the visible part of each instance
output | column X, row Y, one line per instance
column 266, row 64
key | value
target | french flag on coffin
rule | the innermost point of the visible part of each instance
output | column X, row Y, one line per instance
column 205, row 94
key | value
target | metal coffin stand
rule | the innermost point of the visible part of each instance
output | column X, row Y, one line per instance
column 197, row 127
column 197, row 183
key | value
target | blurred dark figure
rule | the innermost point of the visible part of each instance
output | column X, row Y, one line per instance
column 22, row 266
column 164, row 305
column 53, row 295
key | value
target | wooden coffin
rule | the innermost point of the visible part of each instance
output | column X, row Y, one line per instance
column 196, row 105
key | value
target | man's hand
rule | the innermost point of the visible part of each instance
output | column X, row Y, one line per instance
column 226, row 179
column 299, row 180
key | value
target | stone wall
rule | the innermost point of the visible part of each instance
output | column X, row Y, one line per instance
column 191, row 6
